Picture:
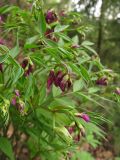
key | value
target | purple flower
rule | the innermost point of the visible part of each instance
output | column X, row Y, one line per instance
column 50, row 80
column 58, row 78
column 117, row 91
column 102, row 81
column 51, row 17
column 1, row 67
column 85, row 117
column 14, row 101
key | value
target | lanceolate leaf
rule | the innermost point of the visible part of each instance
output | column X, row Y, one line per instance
column 42, row 22
column 6, row 148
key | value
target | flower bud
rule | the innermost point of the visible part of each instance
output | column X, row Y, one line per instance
column 84, row 116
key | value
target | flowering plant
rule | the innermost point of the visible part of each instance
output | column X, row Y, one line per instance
column 48, row 79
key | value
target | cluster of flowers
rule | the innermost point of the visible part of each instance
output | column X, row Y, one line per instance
column 72, row 129
column 59, row 79
column 17, row 102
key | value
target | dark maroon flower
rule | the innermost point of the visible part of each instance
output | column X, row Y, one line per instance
column 62, row 86
column 27, row 65
column 102, row 81
column 69, row 83
column 58, row 78
column 65, row 83
column 48, row 33
column 117, row 91
column 50, row 80
column 1, row 67
column 51, row 17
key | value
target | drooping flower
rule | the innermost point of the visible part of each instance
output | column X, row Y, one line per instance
column 27, row 65
column 58, row 78
column 1, row 67
column 49, row 34
column 65, row 84
column 117, row 91
column 50, row 79
column 102, row 81
column 51, row 17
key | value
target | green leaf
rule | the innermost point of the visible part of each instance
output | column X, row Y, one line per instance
column 63, row 133
column 5, row 53
column 15, row 51
column 63, row 36
column 87, row 43
column 32, row 39
column 81, row 71
column 56, row 91
column 82, row 155
column 60, row 28
column 6, row 148
column 78, row 85
column 42, row 23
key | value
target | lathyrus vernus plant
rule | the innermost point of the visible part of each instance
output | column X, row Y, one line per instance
column 47, row 81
